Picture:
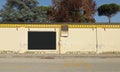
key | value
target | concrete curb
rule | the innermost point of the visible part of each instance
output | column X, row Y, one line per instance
column 55, row 56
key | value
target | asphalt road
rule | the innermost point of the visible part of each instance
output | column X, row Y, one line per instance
column 60, row 65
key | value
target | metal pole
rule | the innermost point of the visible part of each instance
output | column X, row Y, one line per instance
column 59, row 43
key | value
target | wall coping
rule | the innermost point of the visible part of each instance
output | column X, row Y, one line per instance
column 59, row 25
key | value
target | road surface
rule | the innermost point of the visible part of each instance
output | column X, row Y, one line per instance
column 60, row 65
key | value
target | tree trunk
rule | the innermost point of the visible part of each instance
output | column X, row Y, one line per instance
column 109, row 18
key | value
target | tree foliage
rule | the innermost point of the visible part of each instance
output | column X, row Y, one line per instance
column 108, row 10
column 22, row 11
column 72, row 11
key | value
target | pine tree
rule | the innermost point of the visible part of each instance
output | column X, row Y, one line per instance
column 22, row 11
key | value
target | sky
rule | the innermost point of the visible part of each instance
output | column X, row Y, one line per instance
column 99, row 19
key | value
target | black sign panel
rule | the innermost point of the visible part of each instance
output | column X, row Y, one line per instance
column 41, row 40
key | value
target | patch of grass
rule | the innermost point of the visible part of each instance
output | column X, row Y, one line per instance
column 8, row 52
column 80, row 52
column 110, row 52
column 47, row 57
column 34, row 52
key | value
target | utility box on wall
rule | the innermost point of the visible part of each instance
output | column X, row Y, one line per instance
column 64, row 31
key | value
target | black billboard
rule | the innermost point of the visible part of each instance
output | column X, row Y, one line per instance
column 41, row 40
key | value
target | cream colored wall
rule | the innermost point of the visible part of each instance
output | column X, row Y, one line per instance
column 84, row 40
column 13, row 39
column 79, row 40
column 16, row 39
column 9, row 39
column 23, row 39
column 109, row 40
